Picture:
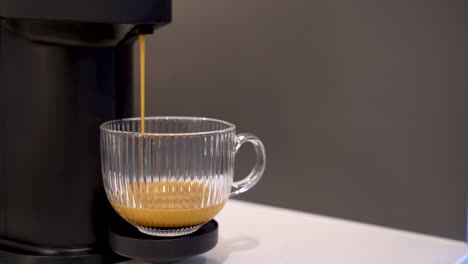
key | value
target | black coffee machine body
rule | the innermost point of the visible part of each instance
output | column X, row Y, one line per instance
column 66, row 67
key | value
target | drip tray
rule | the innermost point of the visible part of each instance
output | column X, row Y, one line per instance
column 127, row 241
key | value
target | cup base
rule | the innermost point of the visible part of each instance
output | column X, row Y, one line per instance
column 167, row 232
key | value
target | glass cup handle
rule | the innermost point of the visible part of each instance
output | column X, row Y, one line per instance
column 256, row 173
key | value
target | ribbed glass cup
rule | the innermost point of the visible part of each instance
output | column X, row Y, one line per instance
column 176, row 176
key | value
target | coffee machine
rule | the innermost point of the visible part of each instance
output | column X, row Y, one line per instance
column 66, row 67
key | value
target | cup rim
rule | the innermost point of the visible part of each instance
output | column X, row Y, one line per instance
column 230, row 127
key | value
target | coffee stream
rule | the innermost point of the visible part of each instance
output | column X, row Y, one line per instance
column 142, row 42
column 168, row 204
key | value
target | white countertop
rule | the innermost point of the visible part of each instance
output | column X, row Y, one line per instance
column 253, row 233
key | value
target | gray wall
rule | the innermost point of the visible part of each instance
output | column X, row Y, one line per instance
column 361, row 104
